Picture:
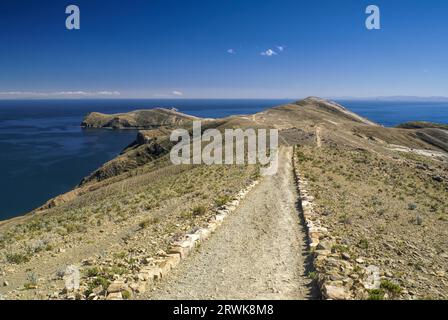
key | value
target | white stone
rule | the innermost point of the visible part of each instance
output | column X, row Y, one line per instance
column 203, row 233
column 373, row 280
column 115, row 296
column 116, row 286
column 335, row 292
column 220, row 217
column 194, row 237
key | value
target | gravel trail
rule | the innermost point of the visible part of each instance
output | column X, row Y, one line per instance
column 258, row 253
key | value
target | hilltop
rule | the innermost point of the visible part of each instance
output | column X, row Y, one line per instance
column 379, row 192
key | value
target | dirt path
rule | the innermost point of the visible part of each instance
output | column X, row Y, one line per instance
column 318, row 137
column 258, row 253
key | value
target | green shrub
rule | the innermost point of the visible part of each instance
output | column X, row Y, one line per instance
column 363, row 244
column 17, row 258
column 393, row 288
column 222, row 201
column 92, row 272
column 199, row 210
column 376, row 294
column 99, row 281
column 126, row 295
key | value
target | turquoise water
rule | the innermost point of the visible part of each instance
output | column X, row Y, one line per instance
column 44, row 152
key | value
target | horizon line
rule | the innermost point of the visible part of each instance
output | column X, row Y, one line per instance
column 391, row 97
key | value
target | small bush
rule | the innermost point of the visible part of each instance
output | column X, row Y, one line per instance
column 116, row 270
column 199, row 210
column 339, row 248
column 126, row 295
column 376, row 294
column 222, row 201
column 363, row 244
column 100, row 281
column 32, row 281
column 120, row 255
column 147, row 222
column 345, row 219
column 60, row 273
column 393, row 288
column 17, row 258
column 92, row 272
column 144, row 224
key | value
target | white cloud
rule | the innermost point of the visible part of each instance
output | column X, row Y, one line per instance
column 231, row 51
column 23, row 93
column 109, row 93
column 36, row 94
column 178, row 93
column 281, row 48
column 269, row 53
column 86, row 93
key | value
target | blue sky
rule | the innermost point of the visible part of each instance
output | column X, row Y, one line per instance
column 180, row 48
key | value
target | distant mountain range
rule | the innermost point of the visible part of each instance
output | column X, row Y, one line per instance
column 396, row 98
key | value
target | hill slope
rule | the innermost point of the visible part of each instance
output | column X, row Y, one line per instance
column 380, row 191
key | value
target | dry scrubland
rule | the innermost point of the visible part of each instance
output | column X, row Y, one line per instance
column 387, row 211
column 380, row 192
column 113, row 229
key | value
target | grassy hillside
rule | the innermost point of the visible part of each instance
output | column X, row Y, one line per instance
column 382, row 191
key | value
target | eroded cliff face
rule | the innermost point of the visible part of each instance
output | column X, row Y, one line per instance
column 148, row 146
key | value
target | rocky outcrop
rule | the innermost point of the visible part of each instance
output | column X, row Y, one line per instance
column 422, row 125
column 149, row 145
column 140, row 119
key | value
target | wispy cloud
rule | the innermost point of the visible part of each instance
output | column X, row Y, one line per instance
column 269, row 53
column 281, row 48
column 231, row 51
column 178, row 93
column 40, row 94
column 23, row 93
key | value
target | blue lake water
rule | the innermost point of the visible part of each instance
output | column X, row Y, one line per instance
column 393, row 113
column 44, row 152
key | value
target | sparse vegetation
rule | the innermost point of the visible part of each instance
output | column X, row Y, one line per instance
column 17, row 258
column 222, row 200
column 126, row 295
column 384, row 208
column 199, row 210
column 376, row 294
column 392, row 288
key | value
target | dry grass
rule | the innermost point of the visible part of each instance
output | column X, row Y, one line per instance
column 389, row 211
